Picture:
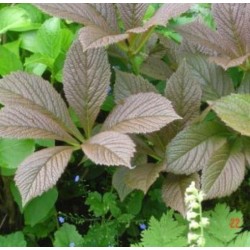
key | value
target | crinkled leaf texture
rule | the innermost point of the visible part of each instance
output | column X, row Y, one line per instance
column 214, row 81
column 127, row 84
column 23, row 89
column 232, row 21
column 184, row 91
column 40, row 171
column 110, row 148
column 141, row 113
column 234, row 111
column 24, row 122
column 173, row 190
column 224, row 172
column 86, row 81
column 191, row 149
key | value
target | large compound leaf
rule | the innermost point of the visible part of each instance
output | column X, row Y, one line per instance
column 234, row 111
column 86, row 81
column 40, row 171
column 127, row 84
column 110, row 148
column 143, row 176
column 174, row 188
column 185, row 93
column 132, row 14
column 163, row 15
column 141, row 113
column 224, row 172
column 214, row 81
column 190, row 150
column 22, row 122
column 24, row 89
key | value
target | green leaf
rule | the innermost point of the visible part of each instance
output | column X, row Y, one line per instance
column 234, row 111
column 13, row 18
column 49, row 38
column 164, row 233
column 67, row 234
column 108, row 104
column 223, row 223
column 13, row 240
column 244, row 87
column 133, row 202
column 9, row 61
column 39, row 207
column 13, row 47
column 13, row 152
column 190, row 150
column 242, row 240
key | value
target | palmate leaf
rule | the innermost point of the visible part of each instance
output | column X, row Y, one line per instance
column 40, row 171
column 143, row 176
column 127, row 84
column 224, row 172
column 214, row 81
column 190, row 150
column 173, row 190
column 234, row 111
column 86, row 80
column 141, row 113
column 185, row 93
column 132, row 14
column 25, row 122
column 110, row 148
column 21, row 88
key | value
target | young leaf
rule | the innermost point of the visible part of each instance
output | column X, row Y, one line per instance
column 223, row 173
column 23, row 122
column 132, row 14
column 49, row 38
column 110, row 148
column 21, row 88
column 14, row 63
column 214, row 81
column 234, row 111
column 173, row 190
column 242, row 240
column 40, row 171
column 190, row 150
column 141, row 113
column 163, row 15
column 143, row 176
column 127, row 84
column 185, row 93
column 86, row 80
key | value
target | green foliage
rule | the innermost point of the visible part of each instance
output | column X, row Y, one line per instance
column 164, row 233
column 66, row 235
column 13, row 240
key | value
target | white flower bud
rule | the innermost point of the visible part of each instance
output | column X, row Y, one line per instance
column 201, row 242
column 204, row 221
column 194, row 225
column 192, row 237
column 191, row 215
